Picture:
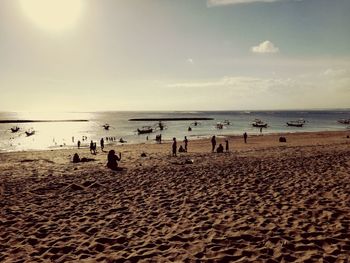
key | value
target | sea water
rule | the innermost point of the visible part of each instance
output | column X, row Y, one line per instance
column 50, row 135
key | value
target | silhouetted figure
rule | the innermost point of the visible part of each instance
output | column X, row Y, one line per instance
column 227, row 146
column 79, row 144
column 189, row 129
column 112, row 160
column 94, row 148
column 91, row 146
column 213, row 143
column 73, row 139
column 186, row 142
column 261, row 130
column 220, row 148
column 76, row 158
column 181, row 149
column 102, row 143
column 282, row 139
column 174, row 146
column 245, row 136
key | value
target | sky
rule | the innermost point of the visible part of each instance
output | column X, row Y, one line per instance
column 88, row 55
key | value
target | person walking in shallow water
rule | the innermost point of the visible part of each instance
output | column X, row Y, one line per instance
column 245, row 136
column 79, row 144
column 213, row 143
column 174, row 146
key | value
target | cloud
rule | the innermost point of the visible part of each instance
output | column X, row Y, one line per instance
column 190, row 60
column 211, row 3
column 265, row 47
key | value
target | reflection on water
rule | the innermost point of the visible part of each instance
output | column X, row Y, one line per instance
column 66, row 134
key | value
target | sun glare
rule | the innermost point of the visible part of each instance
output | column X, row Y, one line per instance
column 53, row 15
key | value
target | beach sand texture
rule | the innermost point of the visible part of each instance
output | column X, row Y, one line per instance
column 264, row 201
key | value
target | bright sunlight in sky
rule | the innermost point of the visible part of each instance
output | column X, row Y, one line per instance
column 57, row 15
column 88, row 55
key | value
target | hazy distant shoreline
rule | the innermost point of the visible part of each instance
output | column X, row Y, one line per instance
column 28, row 121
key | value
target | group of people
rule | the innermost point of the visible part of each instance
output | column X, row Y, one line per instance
column 113, row 158
column 220, row 148
column 181, row 148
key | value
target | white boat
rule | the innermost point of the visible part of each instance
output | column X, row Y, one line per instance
column 145, row 129
column 219, row 125
column 295, row 123
column 259, row 123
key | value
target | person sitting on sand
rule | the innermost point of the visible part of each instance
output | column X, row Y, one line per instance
column 112, row 160
column 76, row 158
column 220, row 148
column 181, row 149
column 174, row 146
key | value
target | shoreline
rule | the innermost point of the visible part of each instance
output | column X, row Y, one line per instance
column 197, row 138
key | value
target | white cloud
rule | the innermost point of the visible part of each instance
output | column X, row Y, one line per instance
column 234, row 2
column 265, row 47
column 190, row 60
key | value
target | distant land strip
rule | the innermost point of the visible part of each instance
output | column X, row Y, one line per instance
column 171, row 119
column 26, row 121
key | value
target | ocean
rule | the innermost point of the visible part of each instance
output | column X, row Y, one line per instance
column 52, row 135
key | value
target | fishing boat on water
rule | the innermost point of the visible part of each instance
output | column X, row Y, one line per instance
column 295, row 123
column 15, row 129
column 344, row 121
column 145, row 129
column 259, row 123
column 29, row 133
column 219, row 125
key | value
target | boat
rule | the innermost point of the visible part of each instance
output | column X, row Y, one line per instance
column 30, row 132
column 145, row 129
column 106, row 126
column 15, row 129
column 219, row 125
column 344, row 121
column 295, row 123
column 259, row 123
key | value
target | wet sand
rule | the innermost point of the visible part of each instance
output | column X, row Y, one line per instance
column 264, row 201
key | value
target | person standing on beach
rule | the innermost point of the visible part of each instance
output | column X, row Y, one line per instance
column 174, row 146
column 102, row 143
column 79, row 144
column 213, row 143
column 186, row 142
column 227, row 146
column 245, row 136
column 91, row 146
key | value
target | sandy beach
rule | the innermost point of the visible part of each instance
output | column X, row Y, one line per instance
column 263, row 201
